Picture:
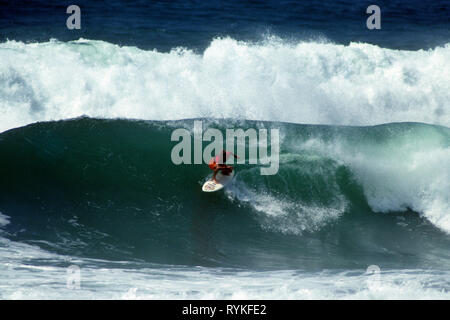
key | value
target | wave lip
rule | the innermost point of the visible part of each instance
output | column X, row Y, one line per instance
column 399, row 166
column 311, row 82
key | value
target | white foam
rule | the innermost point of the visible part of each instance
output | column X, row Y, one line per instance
column 206, row 283
column 4, row 220
column 304, row 82
column 29, row 272
column 285, row 214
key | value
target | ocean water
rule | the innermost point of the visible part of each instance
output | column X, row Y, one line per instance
column 92, row 207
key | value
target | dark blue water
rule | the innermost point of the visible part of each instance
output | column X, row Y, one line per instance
column 163, row 25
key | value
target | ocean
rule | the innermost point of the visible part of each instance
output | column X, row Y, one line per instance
column 92, row 205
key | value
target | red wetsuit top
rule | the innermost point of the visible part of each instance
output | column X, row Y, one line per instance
column 219, row 159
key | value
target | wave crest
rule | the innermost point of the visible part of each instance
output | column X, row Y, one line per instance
column 305, row 82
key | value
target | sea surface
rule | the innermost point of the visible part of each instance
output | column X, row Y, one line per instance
column 93, row 207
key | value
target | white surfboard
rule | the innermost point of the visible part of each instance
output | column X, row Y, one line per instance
column 211, row 186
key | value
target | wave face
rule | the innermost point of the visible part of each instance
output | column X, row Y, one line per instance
column 343, row 197
column 300, row 82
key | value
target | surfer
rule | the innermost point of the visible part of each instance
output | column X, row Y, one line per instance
column 218, row 164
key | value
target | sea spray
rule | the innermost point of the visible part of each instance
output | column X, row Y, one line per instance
column 276, row 80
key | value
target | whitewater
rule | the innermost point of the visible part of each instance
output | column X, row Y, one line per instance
column 277, row 80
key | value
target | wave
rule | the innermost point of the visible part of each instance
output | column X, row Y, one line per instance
column 277, row 80
column 108, row 189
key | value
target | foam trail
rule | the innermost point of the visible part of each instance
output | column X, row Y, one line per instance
column 288, row 214
column 303, row 82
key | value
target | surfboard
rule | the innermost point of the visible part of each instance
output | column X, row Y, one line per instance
column 211, row 186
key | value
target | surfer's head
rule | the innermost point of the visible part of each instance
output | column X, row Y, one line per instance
column 212, row 164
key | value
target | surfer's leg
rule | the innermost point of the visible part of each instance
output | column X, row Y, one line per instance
column 227, row 170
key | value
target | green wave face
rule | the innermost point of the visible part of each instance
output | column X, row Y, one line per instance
column 343, row 196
